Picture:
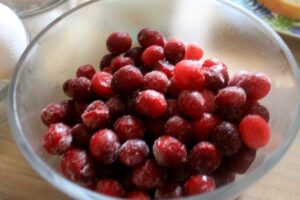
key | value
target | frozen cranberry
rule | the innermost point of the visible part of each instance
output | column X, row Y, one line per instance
column 211, row 62
column 231, row 97
column 231, row 114
column 168, row 191
column 104, row 146
column 133, row 152
column 165, row 67
column 154, row 128
column 179, row 128
column 198, row 185
column 216, row 77
column 258, row 109
column 172, row 108
column 202, row 127
column 57, row 139
column 54, row 113
column 79, row 88
column 204, row 158
column 81, row 135
column 126, row 80
column 173, row 90
column 106, row 60
column 77, row 165
column 87, row 71
column 110, row 187
column 101, row 85
column 107, row 70
column 96, row 115
column 151, row 103
column 129, row 127
column 226, row 137
column 191, row 103
column 148, row 36
column 156, row 80
column 115, row 106
column 137, row 195
column 174, row 50
column 188, row 75
column 169, row 152
column 222, row 176
column 209, row 97
column 148, row 175
column 254, row 131
column 118, row 42
column 193, row 51
column 152, row 54
column 135, row 54
column 119, row 62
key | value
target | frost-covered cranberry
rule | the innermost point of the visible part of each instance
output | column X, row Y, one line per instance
column 81, row 135
column 119, row 62
column 231, row 97
column 133, row 152
column 54, row 113
column 165, row 67
column 137, row 195
column 202, row 127
column 101, row 85
column 156, row 80
column 87, row 71
column 191, row 103
column 118, row 42
column 110, row 187
column 115, row 106
column 179, row 128
column 79, row 88
column 193, row 51
column 198, row 185
column 135, row 54
column 152, row 54
column 174, row 50
column 148, row 36
column 168, row 191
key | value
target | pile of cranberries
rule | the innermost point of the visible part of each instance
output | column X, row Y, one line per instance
column 156, row 122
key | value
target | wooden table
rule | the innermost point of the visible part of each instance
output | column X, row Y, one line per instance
column 19, row 181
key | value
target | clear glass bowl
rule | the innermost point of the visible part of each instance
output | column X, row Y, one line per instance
column 226, row 31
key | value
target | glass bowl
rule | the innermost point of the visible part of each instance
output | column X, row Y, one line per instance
column 225, row 30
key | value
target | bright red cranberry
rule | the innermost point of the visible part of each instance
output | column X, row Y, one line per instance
column 226, row 137
column 152, row 54
column 174, row 50
column 258, row 109
column 148, row 36
column 231, row 114
column 107, row 70
column 127, row 80
column 81, row 135
column 57, row 139
column 211, row 62
column 202, row 127
column 79, row 88
column 137, row 195
column 106, row 60
column 179, row 128
column 209, row 97
column 148, row 175
column 154, row 128
column 115, row 106
column 205, row 158
column 173, row 90
column 135, row 54
column 133, row 152
column 118, row 42
column 198, row 185
column 223, row 176
column 172, row 108
column 231, row 97
column 129, row 127
column 77, row 165
column 87, row 71
column 193, row 51
column 156, row 80
column 216, row 77
column 110, row 187
column 168, row 191
column 169, row 152
column 188, row 75
column 254, row 131
column 165, row 67
column 96, row 115
column 54, row 113
column 191, row 103
column 151, row 103
column 119, row 62
column 101, row 85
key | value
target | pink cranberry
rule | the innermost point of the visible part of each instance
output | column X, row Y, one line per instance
column 168, row 191
column 216, row 77
column 104, row 146
column 202, row 127
column 101, row 85
column 209, row 97
column 118, row 42
column 198, row 185
column 127, row 80
column 174, row 50
column 110, row 187
column 173, row 90
column 258, row 109
column 115, row 106
column 193, row 51
column 254, row 131
column 156, row 80
column 179, row 128
column 231, row 114
column 135, row 54
column 79, row 88
column 172, row 108
column 133, row 152
column 191, row 103
column 149, row 36
column 87, row 71
column 211, row 62
column 151, row 103
column 81, row 135
column 152, row 54
column 106, row 60
column 223, row 176
column 231, row 97
column 154, row 128
column 137, row 195
column 119, row 62
column 165, row 67
column 57, row 139
column 54, row 113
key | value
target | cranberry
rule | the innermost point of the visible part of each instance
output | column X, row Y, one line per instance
column 81, row 135
column 216, row 77
column 78, row 109
column 115, row 106
column 179, row 128
column 96, row 115
column 198, row 185
column 174, row 50
column 106, row 60
column 118, row 42
column 254, row 131
column 238, row 77
column 110, row 187
column 191, row 103
column 133, row 152
column 173, row 90
column 156, row 80
column 119, row 62
column 151, row 103
column 165, row 67
column 172, row 108
column 135, row 54
column 231, row 114
column 193, row 51
column 148, row 175
column 169, row 152
column 137, row 195
column 226, row 137
column 149, row 36
column 202, row 127
column 188, row 75
column 211, row 62
column 168, row 191
column 104, row 146
column 126, row 80
column 260, row 110
column 209, row 97
column 231, row 97
column 223, row 176
column 152, row 54
column 57, row 139
column 101, row 85
column 54, row 113
column 87, row 71
column 79, row 88
column 155, row 128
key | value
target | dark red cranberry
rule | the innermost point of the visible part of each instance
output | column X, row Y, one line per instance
column 106, row 60
column 216, row 77
column 54, row 113
column 137, row 195
column 209, row 97
column 154, row 128
column 226, row 137
column 152, row 54
column 135, row 54
column 101, row 85
column 79, row 88
column 115, row 106
column 258, row 109
column 87, row 71
column 57, row 139
column 81, row 135
column 110, row 187
column 165, row 67
column 179, row 128
column 127, row 80
column 118, row 42
column 148, row 36
column 133, row 152
column 156, row 80
column 172, row 108
column 193, row 51
column 223, row 176
column 104, row 146
column 191, row 103
column 230, row 114
column 168, row 191
column 231, row 97
column 119, row 62
column 198, row 185
column 211, row 62
column 202, row 127
column 174, row 50
column 173, row 90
